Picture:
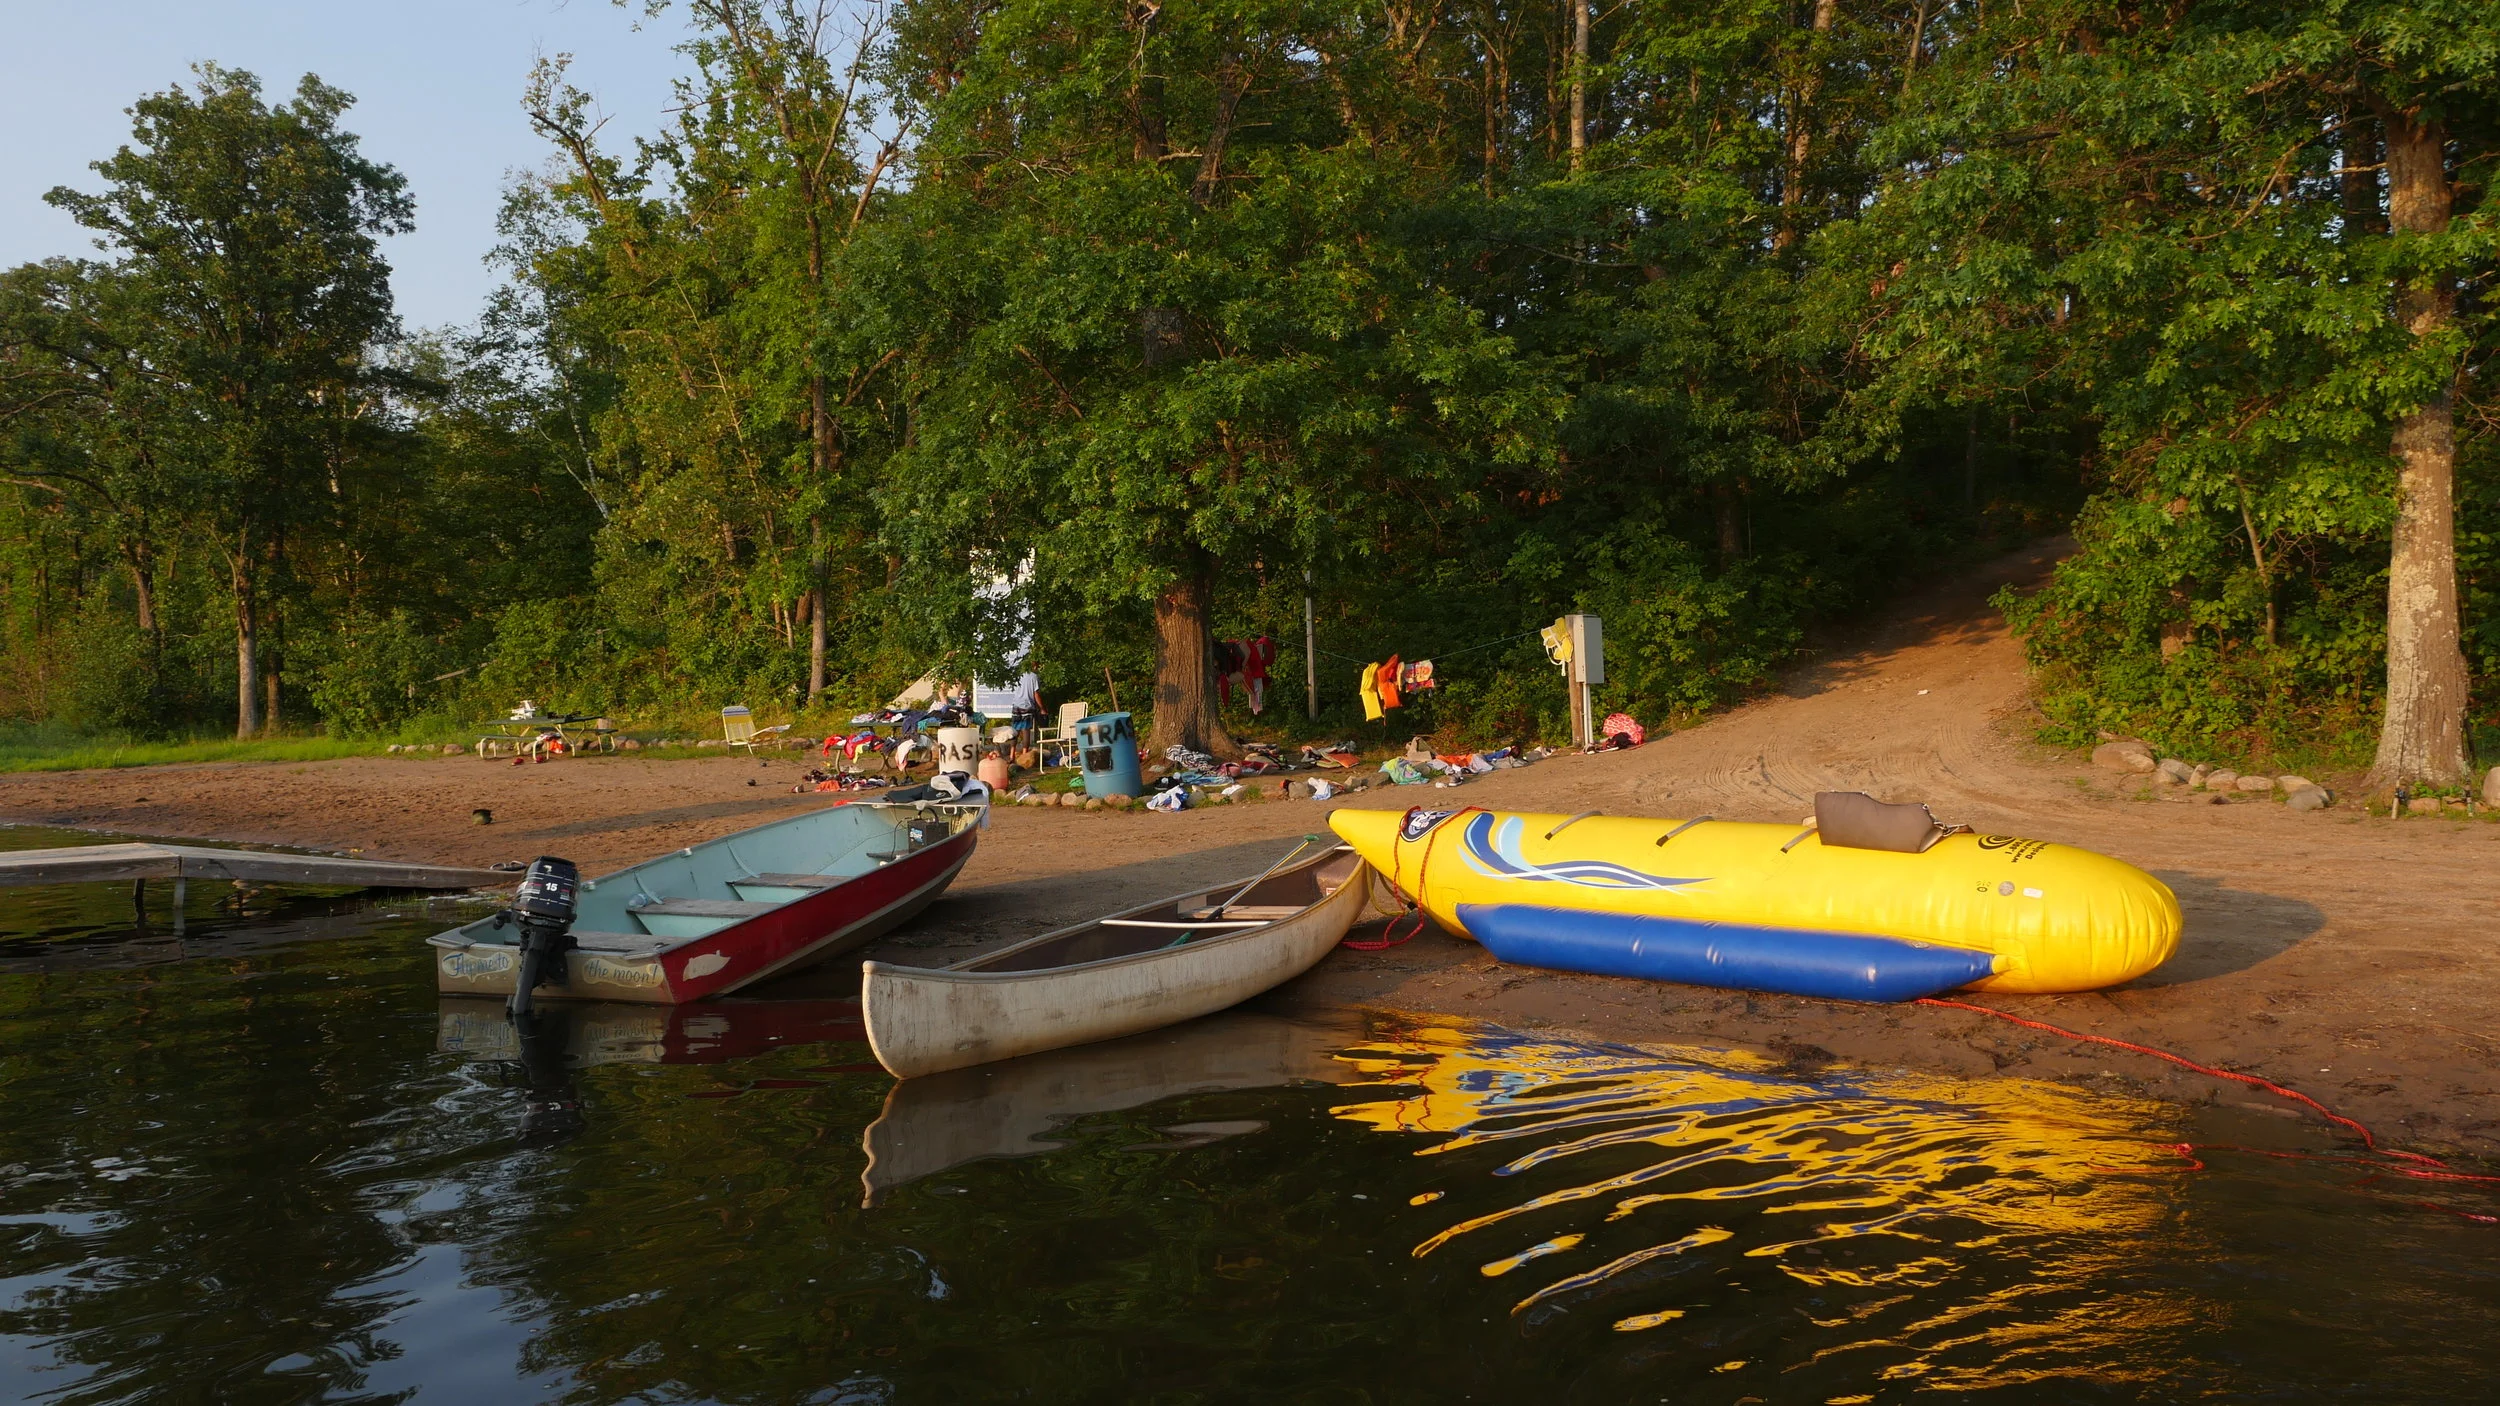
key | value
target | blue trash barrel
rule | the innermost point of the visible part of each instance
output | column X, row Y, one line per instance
column 1106, row 746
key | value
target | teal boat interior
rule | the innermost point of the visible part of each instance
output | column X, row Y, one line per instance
column 697, row 891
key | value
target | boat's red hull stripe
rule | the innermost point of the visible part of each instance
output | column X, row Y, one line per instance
column 789, row 932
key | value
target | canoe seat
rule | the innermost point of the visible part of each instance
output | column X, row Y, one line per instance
column 682, row 918
column 1264, row 912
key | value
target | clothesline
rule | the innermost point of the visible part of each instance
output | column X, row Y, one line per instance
column 1439, row 655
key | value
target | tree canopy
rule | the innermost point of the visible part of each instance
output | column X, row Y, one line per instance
column 1136, row 324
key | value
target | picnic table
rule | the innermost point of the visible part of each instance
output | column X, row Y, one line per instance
column 512, row 737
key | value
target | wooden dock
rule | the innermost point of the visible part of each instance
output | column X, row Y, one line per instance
column 138, row 862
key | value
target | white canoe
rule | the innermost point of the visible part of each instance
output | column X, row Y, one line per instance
column 1141, row 969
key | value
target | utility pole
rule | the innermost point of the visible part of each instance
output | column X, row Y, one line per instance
column 1310, row 647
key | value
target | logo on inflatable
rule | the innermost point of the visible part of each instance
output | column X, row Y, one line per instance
column 2022, row 849
column 1417, row 822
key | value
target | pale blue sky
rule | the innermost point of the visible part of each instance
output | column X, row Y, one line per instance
column 437, row 88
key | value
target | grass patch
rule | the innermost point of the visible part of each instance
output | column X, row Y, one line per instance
column 45, row 750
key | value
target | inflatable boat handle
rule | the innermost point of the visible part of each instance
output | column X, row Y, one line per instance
column 1574, row 820
column 1800, row 839
column 1680, row 829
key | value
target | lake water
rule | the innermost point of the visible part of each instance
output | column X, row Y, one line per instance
column 266, row 1163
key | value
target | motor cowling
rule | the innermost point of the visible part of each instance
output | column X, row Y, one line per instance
column 543, row 907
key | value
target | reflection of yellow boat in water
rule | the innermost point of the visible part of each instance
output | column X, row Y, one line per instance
column 1939, row 1216
column 1864, row 911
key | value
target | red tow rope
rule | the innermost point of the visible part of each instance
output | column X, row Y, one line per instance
column 2426, row 1168
column 1397, row 867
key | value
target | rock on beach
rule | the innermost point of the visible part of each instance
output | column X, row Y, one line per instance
column 2125, row 754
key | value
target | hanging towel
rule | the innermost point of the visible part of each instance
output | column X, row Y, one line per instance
column 1387, row 683
column 1257, row 656
column 1368, row 686
column 1416, row 677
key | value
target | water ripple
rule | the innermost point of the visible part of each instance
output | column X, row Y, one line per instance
column 1956, row 1233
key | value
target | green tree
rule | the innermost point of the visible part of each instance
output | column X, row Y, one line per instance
column 247, row 236
column 1167, row 318
column 2182, row 226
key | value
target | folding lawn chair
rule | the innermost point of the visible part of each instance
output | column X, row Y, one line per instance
column 737, row 725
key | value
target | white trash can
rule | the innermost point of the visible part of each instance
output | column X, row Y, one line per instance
column 958, row 748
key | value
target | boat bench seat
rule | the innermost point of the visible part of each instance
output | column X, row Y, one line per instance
column 1268, row 911
column 679, row 919
column 734, row 909
column 791, row 881
column 622, row 944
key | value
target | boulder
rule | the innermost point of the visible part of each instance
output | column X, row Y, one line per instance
column 2124, row 755
column 2288, row 784
column 627, row 744
column 1116, row 801
column 2176, row 770
column 2197, row 776
column 2256, row 783
column 2222, row 780
column 2309, row 798
column 2491, row 789
column 2423, row 805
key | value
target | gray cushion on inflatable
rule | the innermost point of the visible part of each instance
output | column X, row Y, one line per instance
column 1856, row 820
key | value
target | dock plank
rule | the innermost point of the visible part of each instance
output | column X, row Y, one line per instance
column 109, row 863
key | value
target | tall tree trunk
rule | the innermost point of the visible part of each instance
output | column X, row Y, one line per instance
column 2423, row 735
column 1801, row 128
column 269, row 693
column 1185, row 714
column 143, row 585
column 1579, row 82
column 246, row 651
column 817, row 590
column 1918, row 43
column 1731, row 525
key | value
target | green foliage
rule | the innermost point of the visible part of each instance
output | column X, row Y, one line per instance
column 1143, row 313
column 2178, row 227
column 368, row 679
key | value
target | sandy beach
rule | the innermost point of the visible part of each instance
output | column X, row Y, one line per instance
column 2339, row 954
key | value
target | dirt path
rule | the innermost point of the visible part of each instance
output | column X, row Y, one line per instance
column 2347, row 957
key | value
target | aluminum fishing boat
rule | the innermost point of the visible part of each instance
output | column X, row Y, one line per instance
column 714, row 917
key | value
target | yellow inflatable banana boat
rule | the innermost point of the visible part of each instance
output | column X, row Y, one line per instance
column 1861, row 911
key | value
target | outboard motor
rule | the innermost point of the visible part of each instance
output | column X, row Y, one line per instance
column 544, row 907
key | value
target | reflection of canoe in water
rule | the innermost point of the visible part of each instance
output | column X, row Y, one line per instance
column 1140, row 969
column 1009, row 1109
column 714, row 917
column 601, row 1033
column 1774, row 907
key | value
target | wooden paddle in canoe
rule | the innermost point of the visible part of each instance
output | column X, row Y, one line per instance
column 1140, row 969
